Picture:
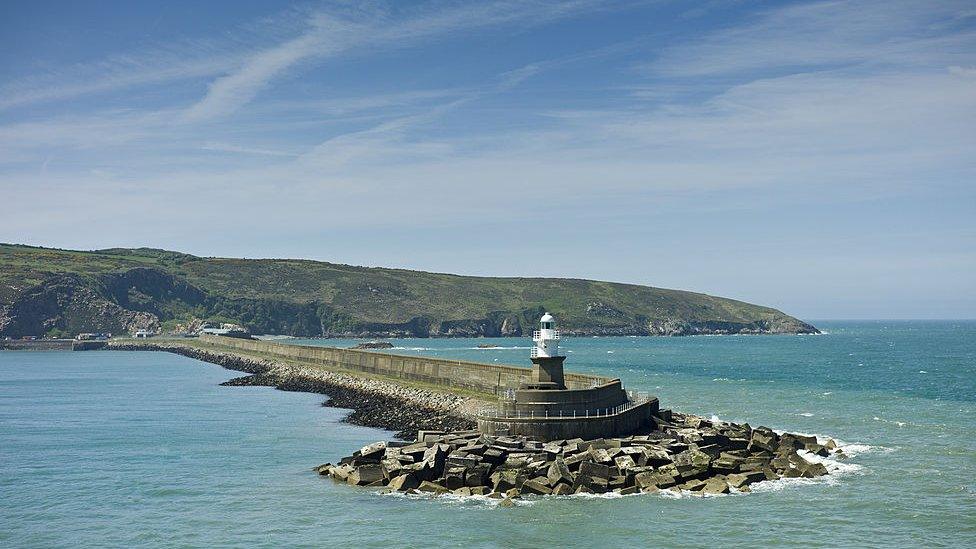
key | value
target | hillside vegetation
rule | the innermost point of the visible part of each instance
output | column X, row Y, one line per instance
column 50, row 291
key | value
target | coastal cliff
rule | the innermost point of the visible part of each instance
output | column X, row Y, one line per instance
column 62, row 292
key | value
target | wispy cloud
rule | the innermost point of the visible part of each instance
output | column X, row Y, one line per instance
column 329, row 36
column 825, row 35
column 230, row 148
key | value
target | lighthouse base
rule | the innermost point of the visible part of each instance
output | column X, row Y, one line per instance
column 547, row 373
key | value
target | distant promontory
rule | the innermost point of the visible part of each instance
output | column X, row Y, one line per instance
column 56, row 292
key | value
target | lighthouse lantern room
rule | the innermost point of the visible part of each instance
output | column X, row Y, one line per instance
column 547, row 363
column 546, row 338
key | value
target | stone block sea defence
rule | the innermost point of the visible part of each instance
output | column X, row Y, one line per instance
column 682, row 453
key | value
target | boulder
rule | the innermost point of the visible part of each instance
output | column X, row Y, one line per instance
column 404, row 482
column 600, row 455
column 738, row 443
column 415, row 451
column 376, row 451
column 366, row 474
column 552, row 449
column 494, row 455
column 503, row 480
column 341, row 472
column 692, row 457
column 817, row 449
column 508, row 443
column 454, row 478
column 693, row 485
column 738, row 480
column 594, row 470
column 764, row 439
column 573, row 461
column 391, row 467
column 562, row 490
column 535, row 487
column 430, row 436
column 813, row 469
column 463, row 461
column 432, row 487
column 716, row 485
column 653, row 456
column 435, row 457
column 323, row 469
column 655, row 480
column 476, row 476
column 559, row 472
column 625, row 462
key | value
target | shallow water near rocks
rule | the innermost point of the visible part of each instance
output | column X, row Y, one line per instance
column 145, row 449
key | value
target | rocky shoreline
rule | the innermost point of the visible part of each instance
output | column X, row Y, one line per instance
column 682, row 453
column 374, row 403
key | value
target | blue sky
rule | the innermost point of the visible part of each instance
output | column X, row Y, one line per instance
column 813, row 156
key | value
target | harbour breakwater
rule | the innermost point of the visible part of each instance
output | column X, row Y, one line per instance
column 681, row 453
column 490, row 379
column 675, row 452
column 374, row 403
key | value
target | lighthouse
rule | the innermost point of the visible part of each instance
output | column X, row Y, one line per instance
column 548, row 406
column 547, row 363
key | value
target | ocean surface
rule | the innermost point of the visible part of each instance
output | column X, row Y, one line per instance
column 122, row 449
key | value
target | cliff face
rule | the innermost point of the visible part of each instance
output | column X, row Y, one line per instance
column 69, row 304
column 47, row 291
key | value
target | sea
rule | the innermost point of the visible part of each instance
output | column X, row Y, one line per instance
column 142, row 449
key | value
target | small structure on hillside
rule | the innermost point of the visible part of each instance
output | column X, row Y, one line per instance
column 546, row 407
column 226, row 329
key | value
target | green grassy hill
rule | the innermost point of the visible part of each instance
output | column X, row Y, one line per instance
column 45, row 291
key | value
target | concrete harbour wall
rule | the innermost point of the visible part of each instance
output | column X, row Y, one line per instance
column 486, row 378
column 598, row 425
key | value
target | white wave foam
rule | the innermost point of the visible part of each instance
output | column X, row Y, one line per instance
column 850, row 449
column 805, row 414
column 456, row 498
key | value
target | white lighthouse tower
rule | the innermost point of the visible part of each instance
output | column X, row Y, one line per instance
column 547, row 363
column 546, row 338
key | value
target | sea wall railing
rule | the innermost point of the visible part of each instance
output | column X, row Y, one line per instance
column 508, row 411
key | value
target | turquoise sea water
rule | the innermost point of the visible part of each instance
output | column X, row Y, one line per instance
column 145, row 449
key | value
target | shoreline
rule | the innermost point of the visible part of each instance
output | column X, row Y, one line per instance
column 373, row 403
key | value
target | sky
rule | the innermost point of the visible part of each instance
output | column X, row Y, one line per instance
column 817, row 157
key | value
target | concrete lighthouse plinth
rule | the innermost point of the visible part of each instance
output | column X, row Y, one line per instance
column 547, row 373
